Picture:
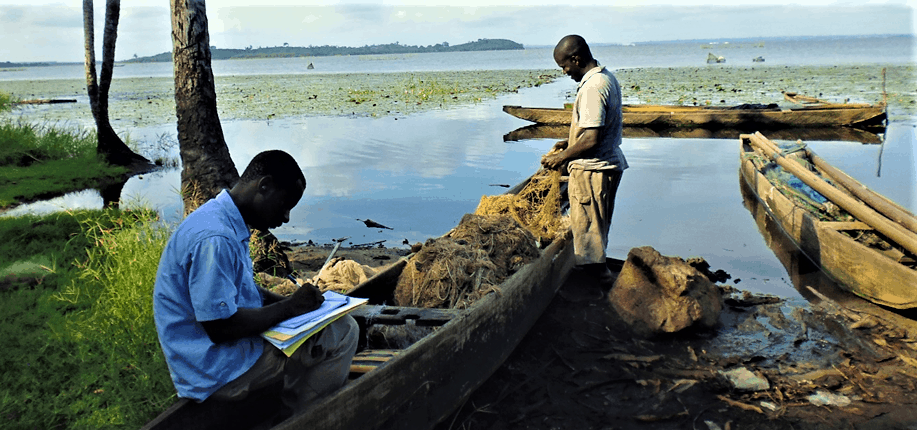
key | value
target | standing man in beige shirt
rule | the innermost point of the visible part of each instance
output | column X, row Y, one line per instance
column 592, row 154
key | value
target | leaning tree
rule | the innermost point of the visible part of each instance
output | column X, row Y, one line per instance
column 109, row 145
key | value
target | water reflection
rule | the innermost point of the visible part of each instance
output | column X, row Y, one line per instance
column 802, row 271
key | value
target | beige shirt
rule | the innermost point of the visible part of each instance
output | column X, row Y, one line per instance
column 598, row 105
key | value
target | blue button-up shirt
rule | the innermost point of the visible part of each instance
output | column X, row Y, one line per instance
column 205, row 273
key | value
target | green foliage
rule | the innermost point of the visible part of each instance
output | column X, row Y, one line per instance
column 422, row 90
column 37, row 161
column 128, row 382
column 24, row 144
column 6, row 102
column 80, row 350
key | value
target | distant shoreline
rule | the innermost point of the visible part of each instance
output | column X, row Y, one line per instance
column 167, row 55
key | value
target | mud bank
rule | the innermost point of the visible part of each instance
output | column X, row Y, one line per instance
column 731, row 85
column 138, row 102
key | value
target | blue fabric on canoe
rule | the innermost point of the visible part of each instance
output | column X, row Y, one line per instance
column 800, row 186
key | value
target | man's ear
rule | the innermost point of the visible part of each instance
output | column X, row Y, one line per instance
column 265, row 184
column 578, row 60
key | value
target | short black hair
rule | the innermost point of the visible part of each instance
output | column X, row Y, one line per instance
column 574, row 44
column 276, row 163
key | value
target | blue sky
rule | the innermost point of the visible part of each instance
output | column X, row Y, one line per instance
column 51, row 30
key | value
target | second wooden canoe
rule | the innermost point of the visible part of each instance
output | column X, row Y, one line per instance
column 882, row 271
column 655, row 116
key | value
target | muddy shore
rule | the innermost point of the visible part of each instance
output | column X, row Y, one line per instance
column 139, row 102
column 839, row 362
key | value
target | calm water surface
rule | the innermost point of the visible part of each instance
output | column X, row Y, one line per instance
column 420, row 174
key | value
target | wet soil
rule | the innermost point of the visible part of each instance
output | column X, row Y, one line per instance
column 826, row 365
column 834, row 362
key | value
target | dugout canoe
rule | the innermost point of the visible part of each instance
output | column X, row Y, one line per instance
column 661, row 116
column 847, row 134
column 872, row 255
column 417, row 386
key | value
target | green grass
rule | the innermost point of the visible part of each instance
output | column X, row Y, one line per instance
column 6, row 102
column 41, row 161
column 80, row 347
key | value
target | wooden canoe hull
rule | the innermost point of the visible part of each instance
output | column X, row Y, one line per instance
column 433, row 377
column 847, row 134
column 864, row 271
column 661, row 116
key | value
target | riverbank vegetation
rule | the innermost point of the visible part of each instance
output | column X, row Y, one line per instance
column 80, row 348
column 40, row 161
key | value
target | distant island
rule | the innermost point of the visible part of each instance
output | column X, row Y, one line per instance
column 286, row 51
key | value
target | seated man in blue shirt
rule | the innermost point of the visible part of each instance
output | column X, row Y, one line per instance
column 209, row 313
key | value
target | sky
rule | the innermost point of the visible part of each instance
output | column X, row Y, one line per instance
column 52, row 30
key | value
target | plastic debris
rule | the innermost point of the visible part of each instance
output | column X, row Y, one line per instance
column 824, row 398
column 743, row 379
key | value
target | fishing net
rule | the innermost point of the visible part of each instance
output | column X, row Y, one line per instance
column 488, row 246
column 537, row 206
column 463, row 266
column 797, row 190
column 341, row 275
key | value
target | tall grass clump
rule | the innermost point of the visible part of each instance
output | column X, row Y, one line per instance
column 58, row 276
column 124, row 380
column 43, row 161
column 6, row 102
column 23, row 144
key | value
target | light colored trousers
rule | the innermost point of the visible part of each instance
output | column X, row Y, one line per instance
column 317, row 368
column 592, row 202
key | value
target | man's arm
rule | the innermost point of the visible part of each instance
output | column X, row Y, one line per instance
column 270, row 297
column 247, row 322
column 588, row 139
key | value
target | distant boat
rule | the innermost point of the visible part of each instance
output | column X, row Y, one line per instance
column 715, row 59
column 310, row 66
column 741, row 116
column 758, row 59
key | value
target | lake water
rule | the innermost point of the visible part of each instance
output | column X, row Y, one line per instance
column 419, row 174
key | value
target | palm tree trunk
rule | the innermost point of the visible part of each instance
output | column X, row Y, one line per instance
column 92, row 85
column 109, row 144
column 207, row 166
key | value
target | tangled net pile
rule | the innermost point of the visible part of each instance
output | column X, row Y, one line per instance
column 485, row 248
column 536, row 206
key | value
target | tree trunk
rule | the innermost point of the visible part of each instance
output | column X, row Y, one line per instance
column 206, row 165
column 109, row 145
